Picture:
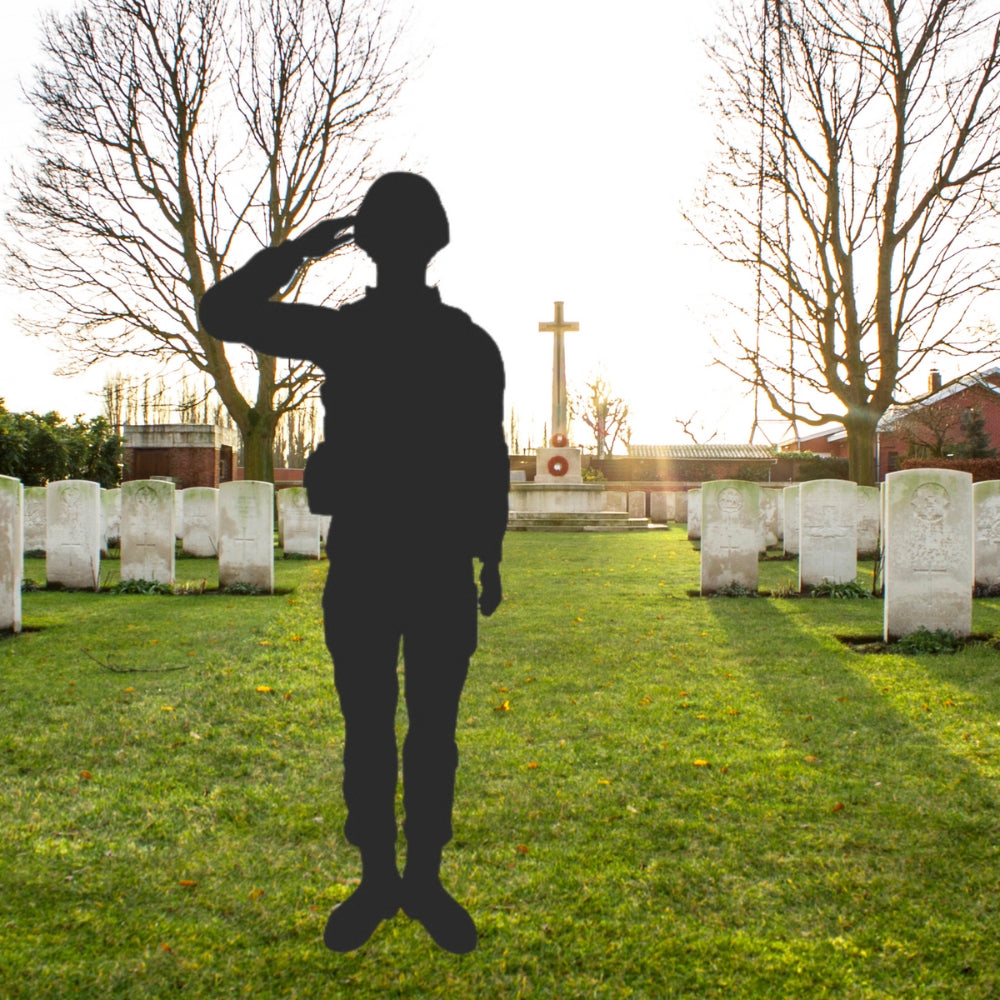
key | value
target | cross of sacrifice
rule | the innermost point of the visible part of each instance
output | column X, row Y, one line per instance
column 557, row 328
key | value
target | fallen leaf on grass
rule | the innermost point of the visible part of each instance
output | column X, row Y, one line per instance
column 188, row 883
column 533, row 765
column 838, row 807
column 702, row 763
column 504, row 706
column 810, row 759
column 264, row 689
column 522, row 848
column 86, row 775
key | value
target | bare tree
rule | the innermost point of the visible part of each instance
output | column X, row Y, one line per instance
column 177, row 136
column 686, row 427
column 857, row 179
column 606, row 414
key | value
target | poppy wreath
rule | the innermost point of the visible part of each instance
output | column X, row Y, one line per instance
column 558, row 466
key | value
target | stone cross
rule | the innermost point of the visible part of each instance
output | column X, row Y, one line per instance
column 557, row 328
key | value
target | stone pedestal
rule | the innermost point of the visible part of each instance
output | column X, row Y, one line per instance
column 565, row 507
column 549, row 458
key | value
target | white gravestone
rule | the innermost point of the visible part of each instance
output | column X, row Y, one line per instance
column 828, row 532
column 730, row 529
column 111, row 518
column 616, row 501
column 34, row 518
column 986, row 497
column 680, row 506
column 179, row 513
column 324, row 527
column 790, row 498
column 869, row 519
column 246, row 534
column 694, row 514
column 770, row 517
column 929, row 552
column 301, row 526
column 73, row 534
column 200, row 532
column 11, row 552
column 659, row 508
column 148, row 532
column 637, row 503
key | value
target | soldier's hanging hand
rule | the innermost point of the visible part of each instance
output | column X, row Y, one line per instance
column 324, row 237
column 492, row 592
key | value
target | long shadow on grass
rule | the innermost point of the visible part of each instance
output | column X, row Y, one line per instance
column 856, row 814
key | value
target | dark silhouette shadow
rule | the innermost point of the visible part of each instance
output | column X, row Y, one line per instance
column 403, row 371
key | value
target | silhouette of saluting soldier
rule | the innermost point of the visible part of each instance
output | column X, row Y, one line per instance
column 403, row 372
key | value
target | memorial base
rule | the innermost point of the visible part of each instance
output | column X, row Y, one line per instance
column 562, row 506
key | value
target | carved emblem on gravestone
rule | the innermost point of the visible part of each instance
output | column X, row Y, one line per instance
column 730, row 502
column 932, row 541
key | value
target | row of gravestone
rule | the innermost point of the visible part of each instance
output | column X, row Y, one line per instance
column 74, row 522
column 663, row 505
column 854, row 509
column 940, row 538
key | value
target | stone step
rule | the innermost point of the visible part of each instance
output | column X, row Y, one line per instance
column 575, row 521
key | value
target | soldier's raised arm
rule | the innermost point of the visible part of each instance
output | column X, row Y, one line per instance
column 240, row 308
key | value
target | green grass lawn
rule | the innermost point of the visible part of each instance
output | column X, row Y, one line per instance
column 659, row 795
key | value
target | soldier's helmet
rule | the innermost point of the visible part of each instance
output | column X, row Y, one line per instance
column 401, row 216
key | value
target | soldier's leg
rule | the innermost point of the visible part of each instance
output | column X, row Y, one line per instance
column 436, row 651
column 365, row 652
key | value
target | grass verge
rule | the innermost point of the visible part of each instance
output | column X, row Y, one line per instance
column 659, row 796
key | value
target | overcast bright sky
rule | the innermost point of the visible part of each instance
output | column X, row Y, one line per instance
column 563, row 145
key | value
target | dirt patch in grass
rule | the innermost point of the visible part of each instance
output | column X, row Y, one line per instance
column 876, row 644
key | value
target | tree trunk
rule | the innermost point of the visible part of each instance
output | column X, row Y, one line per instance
column 258, row 447
column 860, row 425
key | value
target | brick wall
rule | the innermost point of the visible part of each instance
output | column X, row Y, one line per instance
column 186, row 466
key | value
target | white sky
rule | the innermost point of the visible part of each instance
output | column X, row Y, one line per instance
column 563, row 144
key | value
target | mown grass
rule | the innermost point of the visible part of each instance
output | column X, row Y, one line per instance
column 659, row 796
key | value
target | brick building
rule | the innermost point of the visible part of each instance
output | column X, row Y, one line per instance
column 934, row 425
column 188, row 454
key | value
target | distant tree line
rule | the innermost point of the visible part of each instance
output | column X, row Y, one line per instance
column 39, row 448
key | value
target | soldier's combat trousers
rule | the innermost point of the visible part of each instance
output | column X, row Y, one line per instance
column 372, row 605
